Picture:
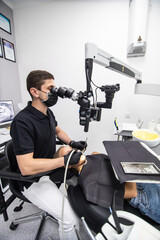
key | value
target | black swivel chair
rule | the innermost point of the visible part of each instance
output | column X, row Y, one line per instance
column 14, row 178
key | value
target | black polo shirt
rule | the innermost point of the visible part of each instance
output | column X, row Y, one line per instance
column 33, row 131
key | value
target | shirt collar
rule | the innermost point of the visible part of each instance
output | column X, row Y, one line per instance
column 35, row 111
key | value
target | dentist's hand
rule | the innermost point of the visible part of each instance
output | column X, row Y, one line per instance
column 78, row 145
column 74, row 158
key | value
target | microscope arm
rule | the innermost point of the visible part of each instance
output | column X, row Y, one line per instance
column 97, row 55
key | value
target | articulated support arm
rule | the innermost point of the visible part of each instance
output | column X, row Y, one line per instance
column 92, row 52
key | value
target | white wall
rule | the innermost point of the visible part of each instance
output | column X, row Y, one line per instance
column 52, row 36
column 9, row 74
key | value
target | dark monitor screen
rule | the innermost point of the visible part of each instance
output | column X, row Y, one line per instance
column 6, row 112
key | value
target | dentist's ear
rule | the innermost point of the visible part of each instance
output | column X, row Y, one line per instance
column 34, row 92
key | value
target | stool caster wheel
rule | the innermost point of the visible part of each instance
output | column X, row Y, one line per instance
column 13, row 226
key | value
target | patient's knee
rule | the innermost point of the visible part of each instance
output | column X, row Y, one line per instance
column 93, row 153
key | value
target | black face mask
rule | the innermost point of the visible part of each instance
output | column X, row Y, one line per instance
column 52, row 100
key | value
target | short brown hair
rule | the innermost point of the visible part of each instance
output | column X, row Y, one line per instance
column 57, row 153
column 36, row 79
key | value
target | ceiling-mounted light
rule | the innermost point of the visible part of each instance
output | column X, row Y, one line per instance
column 138, row 23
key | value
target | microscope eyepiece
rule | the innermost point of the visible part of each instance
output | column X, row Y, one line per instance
column 64, row 92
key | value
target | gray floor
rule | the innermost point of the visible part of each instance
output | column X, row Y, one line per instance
column 27, row 231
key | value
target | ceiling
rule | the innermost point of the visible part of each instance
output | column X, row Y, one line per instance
column 24, row 3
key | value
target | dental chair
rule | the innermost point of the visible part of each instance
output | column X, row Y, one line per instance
column 100, row 220
column 96, row 216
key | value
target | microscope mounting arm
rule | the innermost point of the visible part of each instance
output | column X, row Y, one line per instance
column 97, row 55
column 91, row 111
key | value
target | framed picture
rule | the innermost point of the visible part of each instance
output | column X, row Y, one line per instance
column 8, row 49
column 1, row 53
column 5, row 23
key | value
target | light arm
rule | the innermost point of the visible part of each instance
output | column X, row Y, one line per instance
column 108, row 61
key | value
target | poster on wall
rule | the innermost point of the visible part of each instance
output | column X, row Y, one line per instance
column 1, row 53
column 8, row 49
column 5, row 23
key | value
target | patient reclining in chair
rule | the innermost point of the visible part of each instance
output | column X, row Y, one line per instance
column 98, row 181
